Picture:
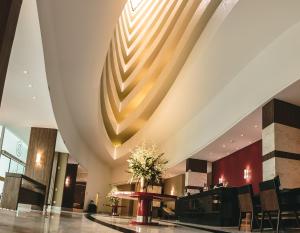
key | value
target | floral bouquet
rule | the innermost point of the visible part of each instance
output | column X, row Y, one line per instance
column 113, row 201
column 146, row 165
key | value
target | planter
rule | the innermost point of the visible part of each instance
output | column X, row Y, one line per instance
column 143, row 184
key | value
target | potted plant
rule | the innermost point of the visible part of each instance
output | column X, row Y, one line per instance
column 113, row 201
column 146, row 165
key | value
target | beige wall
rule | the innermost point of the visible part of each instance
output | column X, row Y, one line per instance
column 174, row 186
column 128, row 209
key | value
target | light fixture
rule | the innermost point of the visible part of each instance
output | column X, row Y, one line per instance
column 247, row 174
column 34, row 97
column 221, row 180
column 68, row 181
column 38, row 159
column 25, row 72
column 29, row 85
column 242, row 135
column 172, row 190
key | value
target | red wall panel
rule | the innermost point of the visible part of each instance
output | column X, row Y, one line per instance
column 231, row 168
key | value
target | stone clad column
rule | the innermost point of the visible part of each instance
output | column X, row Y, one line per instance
column 62, row 161
column 281, row 142
column 198, row 174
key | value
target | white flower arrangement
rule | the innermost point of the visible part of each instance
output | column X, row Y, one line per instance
column 114, row 201
column 146, row 163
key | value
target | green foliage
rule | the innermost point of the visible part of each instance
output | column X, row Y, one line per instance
column 146, row 162
column 111, row 198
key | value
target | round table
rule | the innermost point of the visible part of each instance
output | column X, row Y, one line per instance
column 144, row 208
column 114, row 209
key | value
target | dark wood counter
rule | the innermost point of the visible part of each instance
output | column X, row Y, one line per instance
column 22, row 189
column 217, row 207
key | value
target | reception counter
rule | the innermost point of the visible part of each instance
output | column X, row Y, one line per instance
column 217, row 207
column 20, row 189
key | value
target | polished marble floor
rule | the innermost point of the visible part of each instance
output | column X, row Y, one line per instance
column 66, row 222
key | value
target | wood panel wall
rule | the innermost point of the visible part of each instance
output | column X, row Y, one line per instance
column 42, row 141
column 10, row 199
column 9, row 15
column 68, row 196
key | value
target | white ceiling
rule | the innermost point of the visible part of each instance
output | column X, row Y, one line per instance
column 244, row 133
column 80, row 33
column 26, row 101
column 75, row 39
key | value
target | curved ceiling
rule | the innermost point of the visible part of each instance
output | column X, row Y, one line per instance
column 26, row 102
column 239, row 35
column 148, row 48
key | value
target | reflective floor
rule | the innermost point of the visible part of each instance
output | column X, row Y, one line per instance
column 36, row 222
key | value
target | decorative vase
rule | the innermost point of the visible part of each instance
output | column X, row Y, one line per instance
column 143, row 184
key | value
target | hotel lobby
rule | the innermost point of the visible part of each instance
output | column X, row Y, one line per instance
column 149, row 116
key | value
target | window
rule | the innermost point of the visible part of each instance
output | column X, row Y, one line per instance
column 16, row 167
column 14, row 145
column 1, row 189
column 4, row 165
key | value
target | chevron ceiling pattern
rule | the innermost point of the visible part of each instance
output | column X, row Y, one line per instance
column 149, row 46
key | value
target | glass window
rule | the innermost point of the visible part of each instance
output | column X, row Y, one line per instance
column 1, row 188
column 16, row 167
column 14, row 146
column 13, row 168
column 4, row 165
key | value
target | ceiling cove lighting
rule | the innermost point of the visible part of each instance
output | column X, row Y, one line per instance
column 134, row 4
column 146, row 45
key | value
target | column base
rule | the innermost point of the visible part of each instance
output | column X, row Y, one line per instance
column 144, row 223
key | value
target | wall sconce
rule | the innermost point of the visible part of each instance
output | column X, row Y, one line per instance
column 247, row 174
column 68, row 181
column 38, row 159
column 172, row 190
column 221, row 180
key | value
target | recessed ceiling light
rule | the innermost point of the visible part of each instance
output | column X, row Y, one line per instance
column 242, row 135
column 29, row 85
column 25, row 71
column 34, row 97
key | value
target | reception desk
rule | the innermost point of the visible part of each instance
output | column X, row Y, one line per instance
column 20, row 189
column 217, row 207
